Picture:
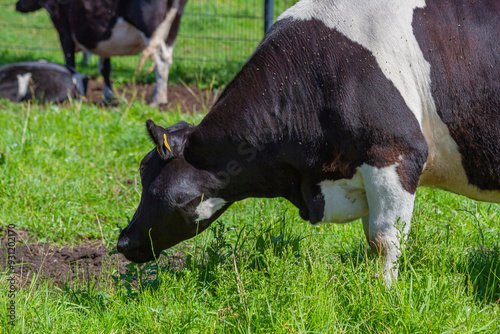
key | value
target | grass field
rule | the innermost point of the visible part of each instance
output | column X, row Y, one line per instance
column 259, row 269
column 269, row 272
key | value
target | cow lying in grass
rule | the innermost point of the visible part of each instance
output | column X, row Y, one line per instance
column 48, row 82
column 344, row 109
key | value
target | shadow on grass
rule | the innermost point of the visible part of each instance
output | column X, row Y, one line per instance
column 481, row 268
column 357, row 255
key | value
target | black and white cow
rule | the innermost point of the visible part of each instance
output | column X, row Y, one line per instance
column 344, row 109
column 48, row 82
column 114, row 28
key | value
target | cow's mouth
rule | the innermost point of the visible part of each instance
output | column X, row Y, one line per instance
column 137, row 255
column 133, row 250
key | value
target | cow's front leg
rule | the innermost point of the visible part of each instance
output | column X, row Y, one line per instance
column 163, row 61
column 105, row 70
column 390, row 210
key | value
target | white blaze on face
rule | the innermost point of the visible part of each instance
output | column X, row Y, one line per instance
column 22, row 85
column 208, row 207
column 345, row 199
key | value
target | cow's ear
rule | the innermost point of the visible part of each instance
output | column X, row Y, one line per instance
column 169, row 142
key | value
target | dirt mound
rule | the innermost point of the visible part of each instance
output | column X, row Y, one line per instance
column 89, row 262
column 188, row 98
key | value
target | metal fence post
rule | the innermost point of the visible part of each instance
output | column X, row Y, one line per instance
column 268, row 14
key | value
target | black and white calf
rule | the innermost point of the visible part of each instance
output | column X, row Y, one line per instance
column 48, row 82
column 115, row 28
column 344, row 109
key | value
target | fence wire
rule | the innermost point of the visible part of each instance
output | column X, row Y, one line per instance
column 213, row 33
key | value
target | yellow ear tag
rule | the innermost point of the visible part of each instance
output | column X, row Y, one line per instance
column 165, row 142
column 159, row 151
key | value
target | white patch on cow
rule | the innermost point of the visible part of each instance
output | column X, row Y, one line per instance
column 390, row 212
column 378, row 197
column 385, row 29
column 125, row 40
column 208, row 207
column 345, row 199
column 23, row 82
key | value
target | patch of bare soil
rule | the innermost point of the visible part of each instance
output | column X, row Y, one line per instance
column 71, row 266
column 188, row 98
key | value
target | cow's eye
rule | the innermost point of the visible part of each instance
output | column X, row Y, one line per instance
column 142, row 167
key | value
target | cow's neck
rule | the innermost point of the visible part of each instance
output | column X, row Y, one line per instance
column 249, row 160
column 262, row 143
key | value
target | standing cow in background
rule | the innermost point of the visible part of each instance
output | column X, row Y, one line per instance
column 344, row 109
column 116, row 28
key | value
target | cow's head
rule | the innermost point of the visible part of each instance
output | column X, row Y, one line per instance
column 27, row 6
column 176, row 202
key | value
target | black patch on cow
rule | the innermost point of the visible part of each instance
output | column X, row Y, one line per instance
column 93, row 21
column 460, row 39
column 313, row 105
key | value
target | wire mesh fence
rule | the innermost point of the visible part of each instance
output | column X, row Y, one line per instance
column 216, row 37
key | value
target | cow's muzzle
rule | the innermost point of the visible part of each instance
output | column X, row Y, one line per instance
column 133, row 250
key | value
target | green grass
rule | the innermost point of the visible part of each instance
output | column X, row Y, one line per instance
column 261, row 269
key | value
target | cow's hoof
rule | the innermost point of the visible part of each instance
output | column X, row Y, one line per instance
column 156, row 100
column 158, row 104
